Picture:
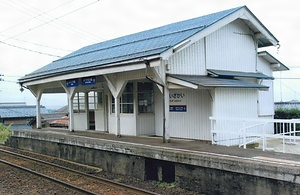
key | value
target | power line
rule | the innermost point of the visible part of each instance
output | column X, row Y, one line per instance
column 40, row 45
column 289, row 78
column 30, row 50
column 50, row 21
column 21, row 23
column 289, row 88
column 69, row 26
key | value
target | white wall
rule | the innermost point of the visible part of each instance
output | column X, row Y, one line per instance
column 145, row 124
column 158, row 99
column 189, row 61
column 231, row 106
column 264, row 66
column 239, row 103
column 231, row 48
column 99, row 120
column 127, row 123
column 265, row 98
column 194, row 123
column 80, row 122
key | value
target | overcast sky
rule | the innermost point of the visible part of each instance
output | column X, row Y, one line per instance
column 33, row 33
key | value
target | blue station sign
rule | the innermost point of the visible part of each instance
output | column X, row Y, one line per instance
column 177, row 108
column 72, row 83
column 89, row 81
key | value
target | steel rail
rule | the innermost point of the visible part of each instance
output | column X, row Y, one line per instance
column 48, row 178
column 102, row 180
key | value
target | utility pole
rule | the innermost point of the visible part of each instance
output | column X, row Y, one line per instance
column 1, row 80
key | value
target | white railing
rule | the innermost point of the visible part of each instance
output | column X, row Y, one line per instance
column 241, row 132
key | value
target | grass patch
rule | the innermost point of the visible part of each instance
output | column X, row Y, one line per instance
column 167, row 185
column 5, row 133
column 118, row 180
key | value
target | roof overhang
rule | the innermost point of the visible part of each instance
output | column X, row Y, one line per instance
column 206, row 82
column 275, row 64
column 235, row 74
column 102, row 70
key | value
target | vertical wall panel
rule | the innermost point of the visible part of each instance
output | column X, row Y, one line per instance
column 194, row 123
column 266, row 100
column 231, row 48
column 189, row 61
column 234, row 105
column 264, row 67
column 146, row 124
column 158, row 99
column 127, row 123
column 80, row 122
column 239, row 103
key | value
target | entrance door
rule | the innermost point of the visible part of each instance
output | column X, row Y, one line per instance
column 100, row 116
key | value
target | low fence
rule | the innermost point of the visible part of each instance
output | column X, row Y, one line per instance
column 241, row 132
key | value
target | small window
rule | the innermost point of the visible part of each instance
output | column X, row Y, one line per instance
column 145, row 98
column 79, row 103
column 126, row 101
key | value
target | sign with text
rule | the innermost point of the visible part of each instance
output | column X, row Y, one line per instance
column 177, row 108
column 72, row 83
column 89, row 81
column 177, row 101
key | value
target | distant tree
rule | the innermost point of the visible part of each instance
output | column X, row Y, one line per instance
column 5, row 132
column 284, row 113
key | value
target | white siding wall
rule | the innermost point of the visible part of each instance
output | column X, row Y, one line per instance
column 195, row 122
column 127, row 123
column 146, row 124
column 158, row 99
column 231, row 48
column 99, row 120
column 189, row 61
column 265, row 98
column 235, row 105
column 264, row 66
column 80, row 122
column 239, row 103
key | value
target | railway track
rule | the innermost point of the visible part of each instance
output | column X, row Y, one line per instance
column 81, row 182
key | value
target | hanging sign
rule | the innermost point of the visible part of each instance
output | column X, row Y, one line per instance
column 89, row 81
column 72, row 83
column 177, row 101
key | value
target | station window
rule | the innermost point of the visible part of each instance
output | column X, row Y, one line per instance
column 126, row 100
column 78, row 103
column 93, row 100
column 145, row 97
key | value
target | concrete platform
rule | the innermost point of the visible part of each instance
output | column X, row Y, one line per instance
column 191, row 159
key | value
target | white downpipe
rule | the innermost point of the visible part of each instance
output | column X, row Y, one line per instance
column 264, row 137
column 244, row 134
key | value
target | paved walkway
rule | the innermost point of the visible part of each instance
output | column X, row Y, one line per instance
column 185, row 144
column 276, row 145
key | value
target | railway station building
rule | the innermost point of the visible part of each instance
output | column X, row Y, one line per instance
column 170, row 81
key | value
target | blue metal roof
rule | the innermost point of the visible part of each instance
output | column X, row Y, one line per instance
column 210, row 82
column 134, row 46
column 234, row 74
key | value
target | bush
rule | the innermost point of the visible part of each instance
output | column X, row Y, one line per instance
column 5, row 133
column 284, row 113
